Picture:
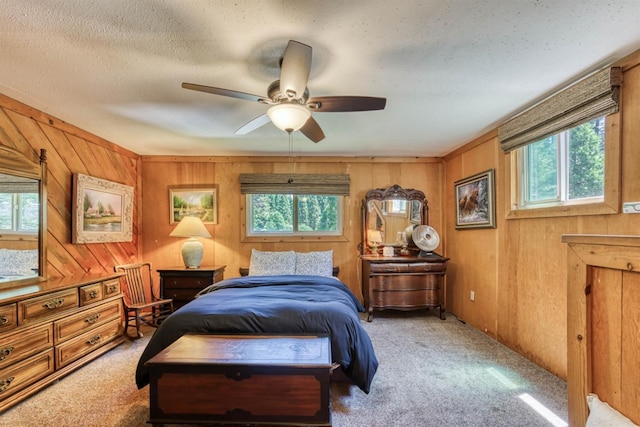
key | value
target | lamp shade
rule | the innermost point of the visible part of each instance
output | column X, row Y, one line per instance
column 375, row 237
column 289, row 116
column 192, row 249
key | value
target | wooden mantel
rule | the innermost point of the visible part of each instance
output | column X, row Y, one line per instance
column 603, row 345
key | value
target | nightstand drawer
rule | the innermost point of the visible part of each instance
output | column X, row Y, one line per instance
column 187, row 282
column 180, row 295
column 110, row 288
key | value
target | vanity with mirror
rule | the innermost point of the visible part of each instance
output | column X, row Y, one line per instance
column 48, row 327
column 396, row 273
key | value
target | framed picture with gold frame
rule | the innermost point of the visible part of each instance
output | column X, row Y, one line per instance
column 193, row 200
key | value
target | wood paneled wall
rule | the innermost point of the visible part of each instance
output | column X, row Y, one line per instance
column 518, row 270
column 226, row 247
column 70, row 150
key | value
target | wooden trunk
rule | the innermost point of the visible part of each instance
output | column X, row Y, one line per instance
column 242, row 379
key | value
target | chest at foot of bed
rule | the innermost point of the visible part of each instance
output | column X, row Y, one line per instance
column 242, row 379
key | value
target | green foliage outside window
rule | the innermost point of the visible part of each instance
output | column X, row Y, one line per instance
column 566, row 166
column 287, row 213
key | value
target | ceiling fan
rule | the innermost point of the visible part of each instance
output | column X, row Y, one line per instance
column 290, row 105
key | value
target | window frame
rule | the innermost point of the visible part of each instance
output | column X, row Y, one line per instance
column 608, row 204
column 17, row 209
column 339, row 236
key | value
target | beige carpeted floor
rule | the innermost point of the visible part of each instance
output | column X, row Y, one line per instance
column 432, row 373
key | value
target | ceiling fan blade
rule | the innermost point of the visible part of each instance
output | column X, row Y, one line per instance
column 223, row 92
column 253, row 124
column 295, row 69
column 311, row 130
column 329, row 104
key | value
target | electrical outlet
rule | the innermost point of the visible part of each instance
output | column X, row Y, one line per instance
column 472, row 296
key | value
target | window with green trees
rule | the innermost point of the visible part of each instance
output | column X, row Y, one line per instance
column 565, row 167
column 289, row 214
column 19, row 212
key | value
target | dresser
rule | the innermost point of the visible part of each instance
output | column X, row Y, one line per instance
column 182, row 284
column 403, row 283
column 51, row 328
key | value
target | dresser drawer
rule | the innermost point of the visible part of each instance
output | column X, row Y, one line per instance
column 22, row 374
column 89, row 319
column 38, row 308
column 406, row 283
column 18, row 346
column 110, row 288
column 90, row 294
column 187, row 282
column 8, row 317
column 407, row 299
column 75, row 348
column 415, row 267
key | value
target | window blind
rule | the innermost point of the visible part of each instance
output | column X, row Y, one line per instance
column 594, row 96
column 285, row 183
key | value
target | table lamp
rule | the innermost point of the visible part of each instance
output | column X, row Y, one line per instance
column 375, row 238
column 192, row 249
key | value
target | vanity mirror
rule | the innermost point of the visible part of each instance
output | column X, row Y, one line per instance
column 389, row 216
column 23, row 202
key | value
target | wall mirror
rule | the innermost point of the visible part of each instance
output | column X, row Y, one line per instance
column 388, row 217
column 23, row 204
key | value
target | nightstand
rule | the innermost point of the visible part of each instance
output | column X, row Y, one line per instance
column 182, row 284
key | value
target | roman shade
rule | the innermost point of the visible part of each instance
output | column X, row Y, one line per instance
column 286, row 183
column 594, row 96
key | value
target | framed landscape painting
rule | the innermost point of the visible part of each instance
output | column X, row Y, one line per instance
column 475, row 202
column 102, row 210
column 193, row 200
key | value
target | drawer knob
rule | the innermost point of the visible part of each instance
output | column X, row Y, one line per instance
column 93, row 294
column 112, row 288
column 92, row 318
column 4, row 320
column 54, row 303
column 94, row 340
column 5, row 352
column 6, row 383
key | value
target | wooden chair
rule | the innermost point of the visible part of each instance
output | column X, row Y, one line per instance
column 141, row 302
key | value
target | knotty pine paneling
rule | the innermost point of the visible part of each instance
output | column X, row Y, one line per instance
column 226, row 247
column 71, row 150
column 518, row 270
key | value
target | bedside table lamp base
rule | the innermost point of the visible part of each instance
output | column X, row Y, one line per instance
column 192, row 251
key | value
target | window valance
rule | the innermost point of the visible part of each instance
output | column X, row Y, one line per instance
column 594, row 96
column 286, row 183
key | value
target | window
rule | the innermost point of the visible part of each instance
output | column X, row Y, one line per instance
column 564, row 152
column 19, row 212
column 294, row 215
column 564, row 168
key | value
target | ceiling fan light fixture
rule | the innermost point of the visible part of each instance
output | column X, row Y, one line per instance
column 289, row 116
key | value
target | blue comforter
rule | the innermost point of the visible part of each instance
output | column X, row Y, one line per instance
column 275, row 304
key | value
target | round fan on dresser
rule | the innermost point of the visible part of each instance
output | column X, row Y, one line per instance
column 426, row 238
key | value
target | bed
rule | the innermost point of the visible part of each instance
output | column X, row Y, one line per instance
column 268, row 302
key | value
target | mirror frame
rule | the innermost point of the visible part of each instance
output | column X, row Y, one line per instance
column 14, row 162
column 395, row 192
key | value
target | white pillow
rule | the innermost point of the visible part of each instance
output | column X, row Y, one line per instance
column 272, row 263
column 319, row 263
column 603, row 415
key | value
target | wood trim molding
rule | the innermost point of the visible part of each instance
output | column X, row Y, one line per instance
column 619, row 252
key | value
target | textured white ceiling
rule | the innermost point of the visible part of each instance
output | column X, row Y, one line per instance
column 450, row 69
